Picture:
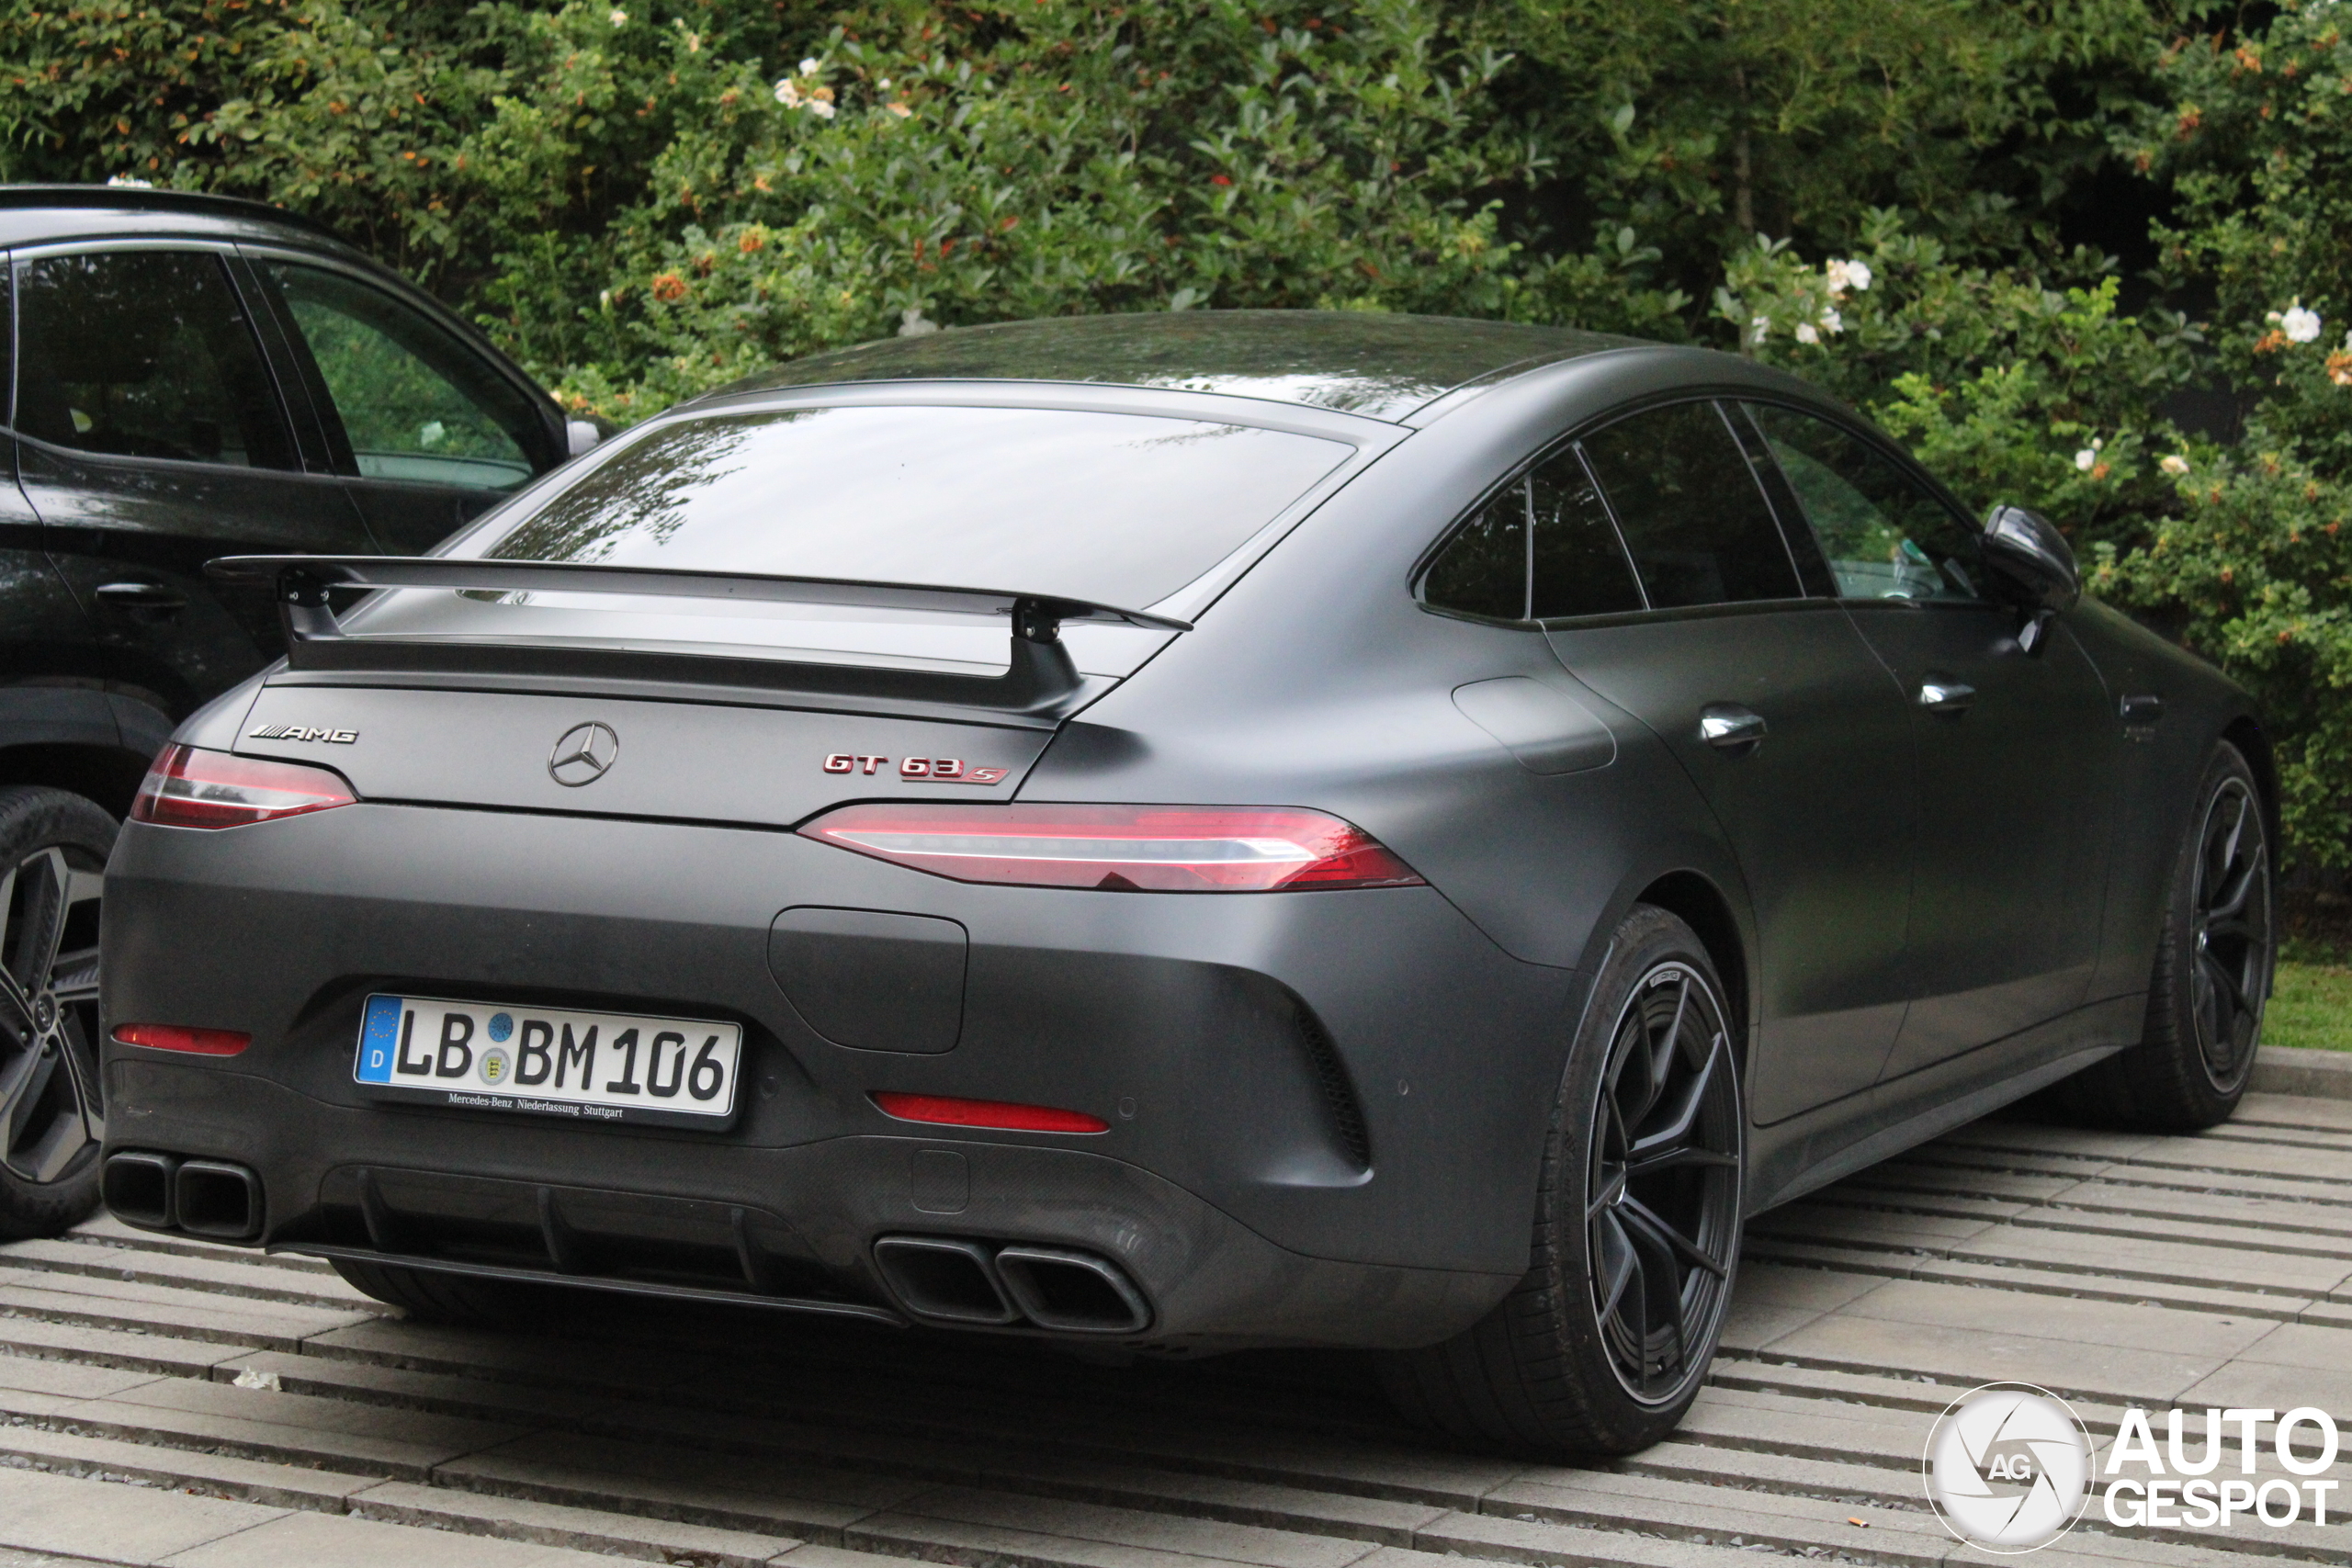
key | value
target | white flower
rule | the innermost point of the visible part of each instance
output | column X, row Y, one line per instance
column 604, row 298
column 131, row 181
column 884, row 84
column 787, row 93
column 2173, row 464
column 2084, row 459
column 1831, row 321
column 1808, row 333
column 1844, row 274
column 2298, row 324
column 809, row 66
column 431, row 434
column 820, row 108
column 1760, row 329
column 619, row 18
column 912, row 324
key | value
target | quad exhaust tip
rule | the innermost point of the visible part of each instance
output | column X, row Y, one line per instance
column 213, row 1198
column 982, row 1284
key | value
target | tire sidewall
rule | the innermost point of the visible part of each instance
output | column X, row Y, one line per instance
column 1648, row 938
column 2172, row 1004
column 34, row 819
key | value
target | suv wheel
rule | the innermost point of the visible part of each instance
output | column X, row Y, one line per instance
column 1601, row 1347
column 53, row 849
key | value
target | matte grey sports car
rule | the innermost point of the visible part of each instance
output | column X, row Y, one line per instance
column 1181, row 832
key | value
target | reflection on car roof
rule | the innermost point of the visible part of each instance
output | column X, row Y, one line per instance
column 1384, row 366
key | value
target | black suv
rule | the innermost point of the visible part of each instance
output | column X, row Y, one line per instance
column 185, row 376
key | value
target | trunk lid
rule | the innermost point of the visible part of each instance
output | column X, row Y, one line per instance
column 752, row 763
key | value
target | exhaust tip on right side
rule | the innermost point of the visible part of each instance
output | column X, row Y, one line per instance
column 1074, row 1292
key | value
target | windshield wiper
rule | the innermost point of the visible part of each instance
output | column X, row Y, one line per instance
column 1040, row 673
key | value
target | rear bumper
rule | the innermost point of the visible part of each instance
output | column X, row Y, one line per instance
column 1225, row 1039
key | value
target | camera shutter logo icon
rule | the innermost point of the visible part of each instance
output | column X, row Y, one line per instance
column 2008, row 1467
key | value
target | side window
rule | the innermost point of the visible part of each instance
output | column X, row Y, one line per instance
column 1886, row 536
column 415, row 403
column 1574, row 565
column 1483, row 568
column 1690, row 509
column 145, row 354
column 1579, row 568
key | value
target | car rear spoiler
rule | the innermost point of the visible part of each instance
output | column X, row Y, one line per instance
column 1040, row 675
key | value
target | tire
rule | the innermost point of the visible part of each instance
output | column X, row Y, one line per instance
column 2212, row 976
column 1563, row 1366
column 53, row 849
column 439, row 1298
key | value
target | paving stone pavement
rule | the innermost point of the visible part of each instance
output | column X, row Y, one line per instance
column 166, row 1402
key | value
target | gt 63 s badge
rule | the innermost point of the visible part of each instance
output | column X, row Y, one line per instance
column 938, row 769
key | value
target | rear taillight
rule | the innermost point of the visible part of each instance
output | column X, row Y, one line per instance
column 179, row 1037
column 1125, row 849
column 192, row 788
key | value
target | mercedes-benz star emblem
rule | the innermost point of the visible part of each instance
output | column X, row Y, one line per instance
column 583, row 755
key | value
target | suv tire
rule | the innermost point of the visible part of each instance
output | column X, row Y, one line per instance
column 53, row 849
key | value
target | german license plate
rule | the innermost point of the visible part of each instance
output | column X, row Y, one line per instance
column 591, row 1066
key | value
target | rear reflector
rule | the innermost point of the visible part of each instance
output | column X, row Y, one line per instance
column 952, row 1112
column 178, row 1037
column 191, row 788
column 1124, row 849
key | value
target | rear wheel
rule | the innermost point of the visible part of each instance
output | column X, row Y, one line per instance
column 53, row 849
column 438, row 1297
column 1602, row 1347
column 2211, row 979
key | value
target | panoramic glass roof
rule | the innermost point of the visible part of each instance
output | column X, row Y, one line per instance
column 1356, row 362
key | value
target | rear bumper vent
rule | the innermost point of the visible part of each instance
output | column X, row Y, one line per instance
column 956, row 1279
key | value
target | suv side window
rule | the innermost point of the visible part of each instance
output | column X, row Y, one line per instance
column 1542, row 551
column 415, row 403
column 1886, row 536
column 1690, row 509
column 145, row 354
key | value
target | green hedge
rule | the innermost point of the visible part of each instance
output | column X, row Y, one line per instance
column 642, row 200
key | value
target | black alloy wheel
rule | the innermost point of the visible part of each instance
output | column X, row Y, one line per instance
column 53, row 1114
column 1662, row 1210
column 1604, row 1344
column 2211, row 978
column 2230, row 932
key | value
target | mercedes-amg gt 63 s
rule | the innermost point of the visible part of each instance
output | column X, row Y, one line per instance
column 1177, row 832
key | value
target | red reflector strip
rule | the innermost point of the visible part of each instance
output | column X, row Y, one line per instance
column 192, row 788
column 950, row 1111
column 1121, row 848
column 178, row 1037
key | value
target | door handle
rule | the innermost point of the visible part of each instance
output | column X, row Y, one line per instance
column 2143, row 708
column 1728, row 726
column 1945, row 696
column 155, row 596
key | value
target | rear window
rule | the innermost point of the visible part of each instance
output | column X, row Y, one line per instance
column 1123, row 509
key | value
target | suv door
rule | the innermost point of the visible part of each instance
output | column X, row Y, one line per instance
column 2008, row 866
column 427, row 432
column 152, row 437
column 1793, row 732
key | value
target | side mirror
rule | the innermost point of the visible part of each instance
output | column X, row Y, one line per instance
column 579, row 435
column 2033, row 558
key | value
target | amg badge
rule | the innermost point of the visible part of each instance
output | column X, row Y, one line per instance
column 300, row 732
